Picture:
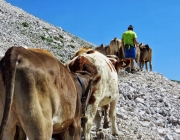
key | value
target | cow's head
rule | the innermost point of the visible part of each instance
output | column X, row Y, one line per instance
column 80, row 63
column 82, row 50
column 122, row 64
column 143, row 46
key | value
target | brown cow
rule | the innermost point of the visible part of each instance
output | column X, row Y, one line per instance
column 41, row 96
column 116, row 48
column 144, row 55
column 103, row 49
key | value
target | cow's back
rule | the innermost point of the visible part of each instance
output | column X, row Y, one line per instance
column 101, row 49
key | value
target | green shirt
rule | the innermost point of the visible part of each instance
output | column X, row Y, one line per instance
column 128, row 37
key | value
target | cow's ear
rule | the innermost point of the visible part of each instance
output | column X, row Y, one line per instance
column 122, row 63
column 147, row 46
column 76, row 64
column 90, row 51
column 85, row 47
column 140, row 44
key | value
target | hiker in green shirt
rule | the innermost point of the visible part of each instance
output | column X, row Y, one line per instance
column 129, row 43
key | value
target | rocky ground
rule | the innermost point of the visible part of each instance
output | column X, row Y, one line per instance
column 149, row 103
column 20, row 28
column 148, row 108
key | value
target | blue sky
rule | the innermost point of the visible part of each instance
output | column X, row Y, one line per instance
column 156, row 22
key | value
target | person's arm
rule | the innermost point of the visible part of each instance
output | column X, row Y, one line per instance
column 122, row 45
column 122, row 42
column 136, row 42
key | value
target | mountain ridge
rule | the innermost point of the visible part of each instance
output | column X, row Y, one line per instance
column 23, row 29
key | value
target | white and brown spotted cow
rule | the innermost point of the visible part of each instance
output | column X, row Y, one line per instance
column 40, row 95
column 106, row 90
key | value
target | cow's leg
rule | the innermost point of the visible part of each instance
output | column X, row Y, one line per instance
column 90, row 114
column 10, row 129
column 97, row 120
column 37, row 123
column 77, row 127
column 150, row 65
column 138, row 60
column 146, row 66
column 37, row 129
column 20, row 134
column 142, row 65
column 9, row 133
column 74, row 131
column 106, row 121
column 112, row 115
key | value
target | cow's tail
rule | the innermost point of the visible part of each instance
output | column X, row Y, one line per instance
column 9, row 74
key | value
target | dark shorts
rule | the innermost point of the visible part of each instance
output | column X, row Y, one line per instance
column 131, row 53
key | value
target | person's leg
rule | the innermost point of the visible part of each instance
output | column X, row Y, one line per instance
column 127, row 56
column 132, row 63
column 133, row 56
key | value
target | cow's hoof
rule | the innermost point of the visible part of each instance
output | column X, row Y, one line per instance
column 128, row 69
column 115, row 134
column 106, row 125
column 100, row 135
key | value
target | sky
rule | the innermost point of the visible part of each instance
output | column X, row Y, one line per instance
column 156, row 23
